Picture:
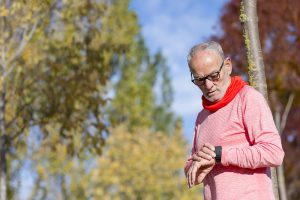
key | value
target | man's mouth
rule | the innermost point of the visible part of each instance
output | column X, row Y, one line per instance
column 210, row 93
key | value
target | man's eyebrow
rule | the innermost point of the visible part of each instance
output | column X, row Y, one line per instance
column 212, row 72
column 206, row 75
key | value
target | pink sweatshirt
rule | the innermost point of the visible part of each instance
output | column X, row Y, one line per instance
column 250, row 145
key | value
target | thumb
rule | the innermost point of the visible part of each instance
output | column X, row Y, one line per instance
column 200, row 177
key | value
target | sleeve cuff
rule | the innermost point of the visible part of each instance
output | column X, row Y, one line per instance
column 224, row 157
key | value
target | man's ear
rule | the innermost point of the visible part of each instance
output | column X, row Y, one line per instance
column 228, row 65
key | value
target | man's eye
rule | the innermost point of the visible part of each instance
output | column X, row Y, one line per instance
column 214, row 75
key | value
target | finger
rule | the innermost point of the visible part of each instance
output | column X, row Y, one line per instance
column 208, row 151
column 203, row 155
column 196, row 157
column 210, row 146
column 189, row 177
column 200, row 177
column 207, row 163
column 193, row 175
column 189, row 180
column 194, row 171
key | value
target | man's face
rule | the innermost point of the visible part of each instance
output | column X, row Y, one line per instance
column 208, row 62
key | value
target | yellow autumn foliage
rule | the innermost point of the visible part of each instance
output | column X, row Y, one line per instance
column 142, row 165
column 138, row 164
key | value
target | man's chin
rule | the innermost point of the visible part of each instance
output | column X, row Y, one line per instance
column 212, row 99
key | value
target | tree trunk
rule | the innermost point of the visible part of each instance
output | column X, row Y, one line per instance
column 3, row 143
column 281, row 182
column 280, row 122
column 3, row 174
column 256, row 69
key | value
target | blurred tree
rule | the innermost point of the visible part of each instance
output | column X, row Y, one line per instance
column 142, row 165
column 280, row 121
column 143, row 91
column 81, row 46
column 135, row 165
column 279, row 31
column 163, row 117
column 56, row 174
column 55, row 82
column 63, row 74
column 19, row 20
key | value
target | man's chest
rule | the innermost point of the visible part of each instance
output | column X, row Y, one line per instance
column 221, row 128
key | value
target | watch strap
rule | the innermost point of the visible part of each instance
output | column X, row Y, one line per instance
column 218, row 151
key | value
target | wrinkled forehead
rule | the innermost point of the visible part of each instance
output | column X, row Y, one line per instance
column 207, row 54
column 205, row 58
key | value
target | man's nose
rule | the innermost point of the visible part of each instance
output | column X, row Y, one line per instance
column 208, row 84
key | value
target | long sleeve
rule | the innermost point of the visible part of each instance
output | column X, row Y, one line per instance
column 265, row 149
column 189, row 160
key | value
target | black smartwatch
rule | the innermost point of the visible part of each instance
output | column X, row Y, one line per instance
column 218, row 151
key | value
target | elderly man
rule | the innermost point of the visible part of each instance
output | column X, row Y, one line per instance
column 235, row 139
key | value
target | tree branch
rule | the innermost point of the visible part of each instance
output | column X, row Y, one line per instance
column 7, row 125
column 286, row 112
column 17, row 133
column 277, row 119
column 22, row 45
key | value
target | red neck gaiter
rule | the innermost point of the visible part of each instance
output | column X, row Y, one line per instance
column 235, row 86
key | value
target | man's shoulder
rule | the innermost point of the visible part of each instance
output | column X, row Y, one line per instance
column 249, row 93
column 247, row 89
column 202, row 115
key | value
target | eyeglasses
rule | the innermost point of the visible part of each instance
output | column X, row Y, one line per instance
column 212, row 77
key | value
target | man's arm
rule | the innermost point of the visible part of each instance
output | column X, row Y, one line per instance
column 189, row 161
column 265, row 149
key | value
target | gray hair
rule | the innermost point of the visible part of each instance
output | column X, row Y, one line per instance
column 211, row 45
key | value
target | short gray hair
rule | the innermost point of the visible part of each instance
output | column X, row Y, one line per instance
column 211, row 45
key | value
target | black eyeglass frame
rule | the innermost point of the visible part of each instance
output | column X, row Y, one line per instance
column 209, row 76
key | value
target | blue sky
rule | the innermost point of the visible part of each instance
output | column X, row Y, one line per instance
column 173, row 27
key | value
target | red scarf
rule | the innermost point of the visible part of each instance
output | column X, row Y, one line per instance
column 235, row 86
